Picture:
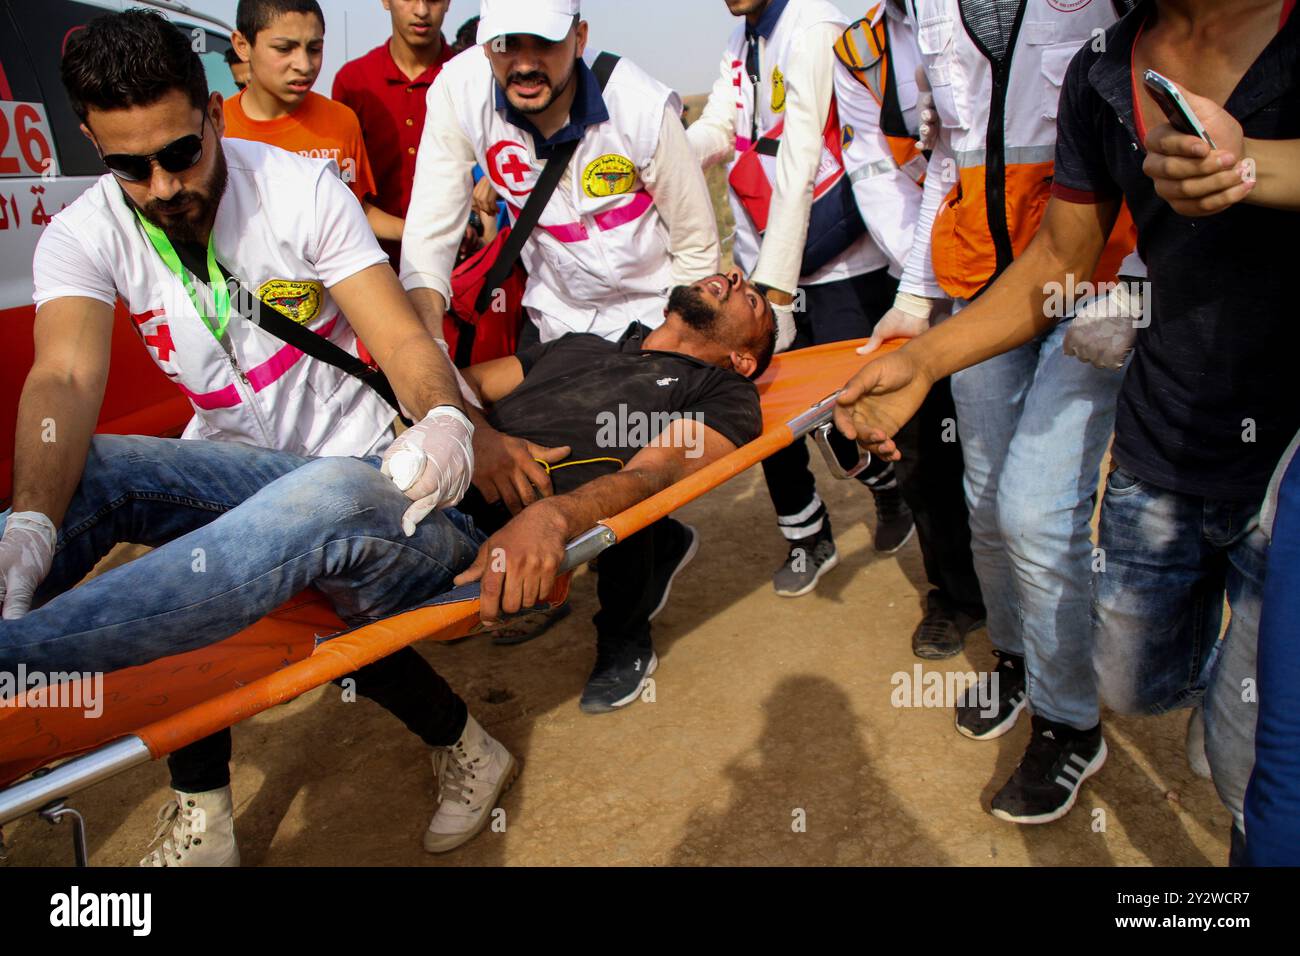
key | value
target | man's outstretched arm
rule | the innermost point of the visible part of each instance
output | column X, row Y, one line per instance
column 884, row 395
column 519, row 564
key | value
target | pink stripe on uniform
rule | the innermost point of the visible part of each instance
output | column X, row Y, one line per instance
column 283, row 360
column 611, row 219
column 259, row 377
column 625, row 213
column 227, row 397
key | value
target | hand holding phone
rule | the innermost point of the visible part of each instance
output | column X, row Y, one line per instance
column 1196, row 180
column 1174, row 106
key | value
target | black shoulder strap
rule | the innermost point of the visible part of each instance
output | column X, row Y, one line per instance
column 271, row 321
column 891, row 110
column 537, row 200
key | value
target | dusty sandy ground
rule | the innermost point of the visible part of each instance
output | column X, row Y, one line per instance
column 764, row 707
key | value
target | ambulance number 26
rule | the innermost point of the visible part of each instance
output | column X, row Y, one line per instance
column 24, row 140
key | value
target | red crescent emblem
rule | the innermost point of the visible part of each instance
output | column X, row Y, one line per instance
column 511, row 170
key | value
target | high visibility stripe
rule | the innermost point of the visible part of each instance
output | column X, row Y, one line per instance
column 1015, row 156
column 879, row 168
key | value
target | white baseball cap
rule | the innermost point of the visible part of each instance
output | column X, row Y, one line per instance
column 549, row 19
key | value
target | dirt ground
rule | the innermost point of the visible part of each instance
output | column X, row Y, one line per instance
column 769, row 713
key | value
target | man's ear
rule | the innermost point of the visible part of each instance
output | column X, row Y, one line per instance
column 217, row 113
column 85, row 131
column 581, row 33
column 242, row 46
column 743, row 364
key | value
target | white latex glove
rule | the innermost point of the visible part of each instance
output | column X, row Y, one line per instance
column 1105, row 328
column 927, row 115
column 909, row 317
column 432, row 463
column 26, row 551
column 786, row 329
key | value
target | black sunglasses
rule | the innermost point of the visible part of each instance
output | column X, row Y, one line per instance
column 175, row 157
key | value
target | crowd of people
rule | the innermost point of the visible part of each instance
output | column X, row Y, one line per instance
column 401, row 314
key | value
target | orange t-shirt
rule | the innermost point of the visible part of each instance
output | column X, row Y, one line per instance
column 320, row 128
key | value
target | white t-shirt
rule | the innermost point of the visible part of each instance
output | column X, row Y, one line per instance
column 289, row 229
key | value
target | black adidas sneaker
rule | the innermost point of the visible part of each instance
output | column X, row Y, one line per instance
column 979, row 723
column 1046, row 783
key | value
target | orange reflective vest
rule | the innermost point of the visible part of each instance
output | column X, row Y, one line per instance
column 999, row 117
column 864, row 49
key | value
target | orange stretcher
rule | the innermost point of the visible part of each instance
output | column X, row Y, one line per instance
column 155, row 709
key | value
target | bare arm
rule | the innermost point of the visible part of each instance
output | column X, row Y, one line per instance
column 1198, row 181
column 494, row 380
column 385, row 225
column 382, row 316
column 60, row 403
column 531, row 546
column 881, row 398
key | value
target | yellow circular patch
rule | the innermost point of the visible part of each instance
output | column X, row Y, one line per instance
column 611, row 175
column 299, row 301
column 849, row 135
column 778, row 90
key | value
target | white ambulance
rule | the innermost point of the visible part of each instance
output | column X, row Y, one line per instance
column 46, row 163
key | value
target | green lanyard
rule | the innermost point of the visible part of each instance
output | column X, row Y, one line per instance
column 216, row 280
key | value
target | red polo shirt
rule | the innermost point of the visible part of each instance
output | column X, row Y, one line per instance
column 391, row 109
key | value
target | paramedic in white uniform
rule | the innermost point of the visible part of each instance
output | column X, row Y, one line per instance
column 630, row 219
column 293, row 234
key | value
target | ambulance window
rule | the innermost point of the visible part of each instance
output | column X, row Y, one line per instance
column 213, row 55
column 44, row 29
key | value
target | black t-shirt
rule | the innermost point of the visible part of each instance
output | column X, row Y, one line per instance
column 1210, row 400
column 608, row 400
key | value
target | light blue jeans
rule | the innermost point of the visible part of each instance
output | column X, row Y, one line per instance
column 237, row 531
column 1034, row 425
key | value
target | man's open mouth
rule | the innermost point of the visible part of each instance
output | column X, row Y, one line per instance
column 532, row 86
column 717, row 286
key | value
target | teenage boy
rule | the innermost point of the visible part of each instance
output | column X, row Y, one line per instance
column 283, row 42
column 388, row 90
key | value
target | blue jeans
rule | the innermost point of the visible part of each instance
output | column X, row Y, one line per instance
column 237, row 531
column 1034, row 425
column 1273, row 799
column 1170, row 559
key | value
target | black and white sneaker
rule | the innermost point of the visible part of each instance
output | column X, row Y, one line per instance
column 618, row 677
column 894, row 523
column 675, row 547
column 977, row 722
column 808, row 560
column 1046, row 783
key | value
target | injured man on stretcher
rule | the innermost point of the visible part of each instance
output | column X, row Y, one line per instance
column 238, row 530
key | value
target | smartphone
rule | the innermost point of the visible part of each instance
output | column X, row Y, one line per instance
column 1174, row 106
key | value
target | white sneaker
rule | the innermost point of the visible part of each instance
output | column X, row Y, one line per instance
column 202, row 831
column 473, row 773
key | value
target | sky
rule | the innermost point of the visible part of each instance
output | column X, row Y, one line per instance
column 678, row 41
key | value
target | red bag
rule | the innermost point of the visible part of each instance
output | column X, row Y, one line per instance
column 473, row 337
